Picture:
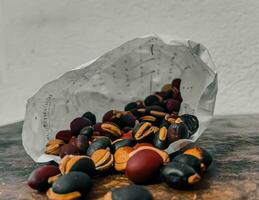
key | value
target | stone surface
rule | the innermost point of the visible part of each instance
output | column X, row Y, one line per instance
column 233, row 175
column 40, row 40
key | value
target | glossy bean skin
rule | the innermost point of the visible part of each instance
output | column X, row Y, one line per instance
column 191, row 122
column 69, row 149
column 122, row 143
column 160, row 140
column 90, row 116
column 202, row 154
column 64, row 135
column 190, row 160
column 77, row 163
column 143, row 166
column 38, row 179
column 73, row 181
column 98, row 143
column 179, row 175
column 132, row 192
column 78, row 124
column 177, row 131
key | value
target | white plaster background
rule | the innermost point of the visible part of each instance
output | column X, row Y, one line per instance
column 40, row 40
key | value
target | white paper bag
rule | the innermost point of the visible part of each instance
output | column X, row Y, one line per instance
column 129, row 72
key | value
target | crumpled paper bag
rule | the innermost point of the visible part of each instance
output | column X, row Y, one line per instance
column 129, row 72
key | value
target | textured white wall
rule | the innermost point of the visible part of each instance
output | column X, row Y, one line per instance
column 42, row 39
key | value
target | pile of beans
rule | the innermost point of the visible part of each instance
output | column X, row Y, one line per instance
column 131, row 142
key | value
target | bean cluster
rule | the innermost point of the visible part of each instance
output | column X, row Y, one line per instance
column 131, row 141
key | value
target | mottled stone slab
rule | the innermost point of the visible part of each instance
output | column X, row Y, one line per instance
column 234, row 174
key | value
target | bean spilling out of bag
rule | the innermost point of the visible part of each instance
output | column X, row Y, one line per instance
column 131, row 141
